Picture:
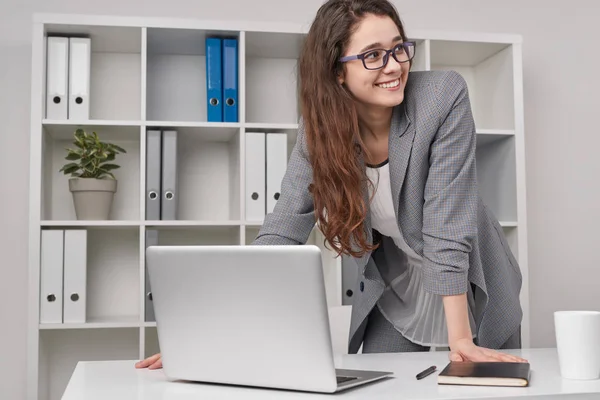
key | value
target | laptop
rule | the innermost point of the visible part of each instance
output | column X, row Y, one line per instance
column 246, row 315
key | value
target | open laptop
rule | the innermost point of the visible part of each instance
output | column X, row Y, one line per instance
column 246, row 315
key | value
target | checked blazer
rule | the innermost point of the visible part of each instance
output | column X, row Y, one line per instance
column 432, row 163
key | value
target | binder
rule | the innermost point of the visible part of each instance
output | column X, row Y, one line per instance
column 276, row 166
column 57, row 77
column 51, row 277
column 349, row 279
column 151, row 240
column 79, row 78
column 230, row 80
column 153, row 174
column 168, row 205
column 255, row 176
column 214, row 81
column 75, row 272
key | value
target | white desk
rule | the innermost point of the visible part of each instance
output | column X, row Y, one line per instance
column 117, row 380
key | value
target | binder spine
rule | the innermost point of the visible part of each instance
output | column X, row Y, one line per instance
column 230, row 80
column 169, row 198
column 75, row 273
column 214, row 81
column 57, row 77
column 255, row 176
column 153, row 174
column 276, row 166
column 51, row 277
column 79, row 78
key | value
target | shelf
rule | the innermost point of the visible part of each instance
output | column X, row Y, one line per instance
column 190, row 224
column 57, row 200
column 113, row 270
column 188, row 235
column 99, row 323
column 487, row 69
column 496, row 174
column 61, row 350
column 274, row 44
column 176, row 74
column 115, row 69
column 107, row 130
column 152, row 76
column 151, row 346
column 89, row 223
column 271, row 84
column 496, row 132
column 210, row 131
column 208, row 177
column 421, row 60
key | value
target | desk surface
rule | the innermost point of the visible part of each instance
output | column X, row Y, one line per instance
column 117, row 380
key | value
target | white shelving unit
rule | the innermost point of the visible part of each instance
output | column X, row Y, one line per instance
column 150, row 73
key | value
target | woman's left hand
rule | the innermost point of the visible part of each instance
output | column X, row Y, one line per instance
column 466, row 350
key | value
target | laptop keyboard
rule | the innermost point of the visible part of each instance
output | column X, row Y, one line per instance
column 342, row 379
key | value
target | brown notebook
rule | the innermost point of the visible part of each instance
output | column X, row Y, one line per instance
column 485, row 374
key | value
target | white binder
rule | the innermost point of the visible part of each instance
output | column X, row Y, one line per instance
column 79, row 78
column 75, row 271
column 276, row 166
column 255, row 176
column 169, row 199
column 153, row 174
column 57, row 77
column 51, row 277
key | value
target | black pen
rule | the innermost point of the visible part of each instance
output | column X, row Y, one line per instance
column 427, row 372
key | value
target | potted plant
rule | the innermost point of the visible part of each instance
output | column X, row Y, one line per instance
column 92, row 183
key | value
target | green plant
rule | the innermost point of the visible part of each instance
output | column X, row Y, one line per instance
column 92, row 157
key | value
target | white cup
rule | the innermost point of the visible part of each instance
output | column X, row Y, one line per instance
column 578, row 343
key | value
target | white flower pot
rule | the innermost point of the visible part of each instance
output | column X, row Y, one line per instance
column 92, row 197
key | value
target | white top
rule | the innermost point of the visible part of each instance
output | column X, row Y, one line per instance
column 120, row 380
column 417, row 314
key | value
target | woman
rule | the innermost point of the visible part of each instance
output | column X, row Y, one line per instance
column 385, row 164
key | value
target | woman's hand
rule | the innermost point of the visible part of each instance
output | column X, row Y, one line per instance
column 466, row 350
column 153, row 362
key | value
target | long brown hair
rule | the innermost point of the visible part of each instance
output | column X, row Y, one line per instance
column 331, row 123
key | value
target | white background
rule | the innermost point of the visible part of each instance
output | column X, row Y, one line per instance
column 561, row 59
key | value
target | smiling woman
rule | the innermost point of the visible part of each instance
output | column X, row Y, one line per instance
column 385, row 164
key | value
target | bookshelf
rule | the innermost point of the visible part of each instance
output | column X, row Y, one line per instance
column 149, row 73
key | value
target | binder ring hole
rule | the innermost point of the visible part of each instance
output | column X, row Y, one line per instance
column 153, row 195
column 74, row 297
column 230, row 101
column 254, row 196
column 56, row 99
column 276, row 196
column 349, row 293
column 78, row 100
column 169, row 195
column 51, row 298
column 149, row 296
column 214, row 101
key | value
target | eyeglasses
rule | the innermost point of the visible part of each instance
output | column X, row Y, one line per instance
column 378, row 58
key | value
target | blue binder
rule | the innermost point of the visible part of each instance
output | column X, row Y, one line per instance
column 214, row 81
column 230, row 80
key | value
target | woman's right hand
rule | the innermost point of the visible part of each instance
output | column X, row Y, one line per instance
column 153, row 362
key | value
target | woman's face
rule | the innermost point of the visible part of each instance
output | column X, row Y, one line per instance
column 382, row 87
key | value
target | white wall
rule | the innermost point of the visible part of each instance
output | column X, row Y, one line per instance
column 561, row 108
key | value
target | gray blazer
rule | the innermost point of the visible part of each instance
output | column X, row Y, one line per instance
column 434, row 180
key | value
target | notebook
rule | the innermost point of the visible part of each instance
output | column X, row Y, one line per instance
column 485, row 374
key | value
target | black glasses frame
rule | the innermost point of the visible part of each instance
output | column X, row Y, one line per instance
column 409, row 48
